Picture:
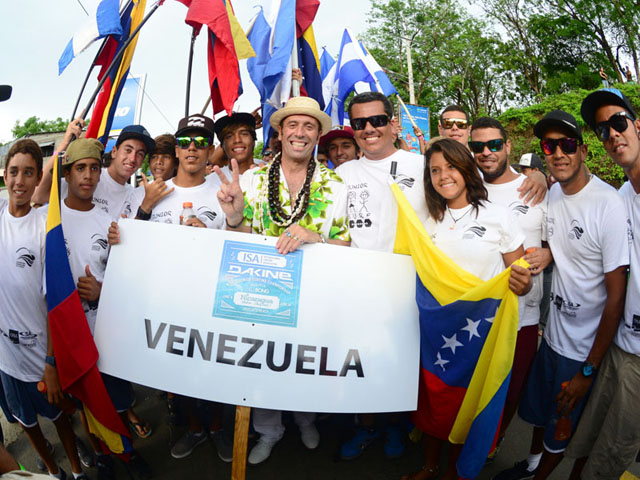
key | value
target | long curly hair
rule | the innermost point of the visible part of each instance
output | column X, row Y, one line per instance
column 460, row 158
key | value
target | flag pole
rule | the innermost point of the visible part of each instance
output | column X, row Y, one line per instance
column 295, row 84
column 93, row 64
column 117, row 57
column 406, row 110
column 186, row 101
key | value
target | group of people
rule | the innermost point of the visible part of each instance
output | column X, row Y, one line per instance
column 477, row 209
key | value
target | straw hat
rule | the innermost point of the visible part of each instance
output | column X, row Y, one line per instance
column 302, row 106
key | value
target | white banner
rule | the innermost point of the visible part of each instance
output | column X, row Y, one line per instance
column 222, row 316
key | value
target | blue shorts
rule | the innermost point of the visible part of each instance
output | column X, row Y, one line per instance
column 120, row 392
column 538, row 404
column 25, row 402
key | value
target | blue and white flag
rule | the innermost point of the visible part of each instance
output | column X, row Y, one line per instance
column 104, row 21
column 355, row 70
column 326, row 62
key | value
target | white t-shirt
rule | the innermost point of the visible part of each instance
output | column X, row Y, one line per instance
column 204, row 198
column 85, row 237
column 588, row 236
column 533, row 223
column 628, row 335
column 136, row 196
column 23, row 315
column 476, row 242
column 109, row 196
column 372, row 210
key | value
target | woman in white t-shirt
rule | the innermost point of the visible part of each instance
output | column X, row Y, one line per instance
column 476, row 234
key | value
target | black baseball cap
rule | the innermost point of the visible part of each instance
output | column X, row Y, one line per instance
column 605, row 96
column 137, row 132
column 236, row 118
column 557, row 118
column 196, row 123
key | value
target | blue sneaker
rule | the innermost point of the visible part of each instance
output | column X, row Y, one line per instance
column 394, row 444
column 354, row 447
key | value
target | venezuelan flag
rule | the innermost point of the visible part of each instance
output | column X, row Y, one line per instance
column 75, row 351
column 308, row 58
column 107, row 102
column 468, row 334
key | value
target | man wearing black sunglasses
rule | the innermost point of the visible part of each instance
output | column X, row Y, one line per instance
column 588, row 236
column 606, row 440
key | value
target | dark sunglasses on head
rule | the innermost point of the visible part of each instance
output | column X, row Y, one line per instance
column 568, row 146
column 494, row 145
column 617, row 121
column 375, row 121
column 200, row 142
column 267, row 153
column 448, row 123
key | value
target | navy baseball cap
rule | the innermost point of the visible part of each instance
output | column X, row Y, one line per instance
column 236, row 118
column 137, row 132
column 605, row 96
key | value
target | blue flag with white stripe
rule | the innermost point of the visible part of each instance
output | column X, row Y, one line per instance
column 326, row 62
column 104, row 21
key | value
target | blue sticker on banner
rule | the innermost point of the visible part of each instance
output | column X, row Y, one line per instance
column 257, row 284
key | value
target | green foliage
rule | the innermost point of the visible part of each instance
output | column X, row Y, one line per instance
column 34, row 125
column 519, row 124
column 257, row 150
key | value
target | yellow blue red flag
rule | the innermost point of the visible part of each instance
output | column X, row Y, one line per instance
column 468, row 333
column 73, row 345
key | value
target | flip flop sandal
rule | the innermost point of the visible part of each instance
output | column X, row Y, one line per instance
column 143, row 430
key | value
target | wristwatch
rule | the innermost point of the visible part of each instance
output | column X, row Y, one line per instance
column 588, row 369
column 142, row 215
column 50, row 360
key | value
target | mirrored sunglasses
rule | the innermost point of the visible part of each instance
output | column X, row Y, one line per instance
column 448, row 123
column 568, row 146
column 200, row 142
column 494, row 145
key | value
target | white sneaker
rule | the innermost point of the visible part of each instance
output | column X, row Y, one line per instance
column 261, row 451
column 310, row 436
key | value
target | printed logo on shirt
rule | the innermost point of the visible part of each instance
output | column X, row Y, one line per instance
column 519, row 207
column 629, row 231
column 566, row 307
column 550, row 224
column 127, row 209
column 25, row 257
column 211, row 215
column 103, row 203
column 164, row 216
column 99, row 242
column 66, row 247
column 27, row 338
column 635, row 323
column 404, row 181
column 474, row 231
column 357, row 211
column 576, row 230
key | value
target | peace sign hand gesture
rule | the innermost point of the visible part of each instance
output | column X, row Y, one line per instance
column 230, row 194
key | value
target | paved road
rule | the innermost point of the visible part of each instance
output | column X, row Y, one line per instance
column 290, row 460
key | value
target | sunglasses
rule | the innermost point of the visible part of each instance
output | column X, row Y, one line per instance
column 494, row 145
column 267, row 153
column 375, row 121
column 448, row 123
column 200, row 142
column 568, row 146
column 616, row 121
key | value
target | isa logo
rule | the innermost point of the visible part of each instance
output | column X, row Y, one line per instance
column 257, row 284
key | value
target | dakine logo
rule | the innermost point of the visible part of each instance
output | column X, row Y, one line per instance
column 25, row 257
column 576, row 230
column 99, row 243
column 519, row 208
column 195, row 122
column 405, row 181
column 474, row 231
column 566, row 307
column 207, row 213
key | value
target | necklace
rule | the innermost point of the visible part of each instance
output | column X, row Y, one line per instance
column 456, row 220
column 299, row 208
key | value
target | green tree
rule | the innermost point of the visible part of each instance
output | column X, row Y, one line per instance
column 34, row 125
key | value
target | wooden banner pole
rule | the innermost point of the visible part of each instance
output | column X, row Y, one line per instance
column 240, row 443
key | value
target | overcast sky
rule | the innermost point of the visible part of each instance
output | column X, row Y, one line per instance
column 33, row 34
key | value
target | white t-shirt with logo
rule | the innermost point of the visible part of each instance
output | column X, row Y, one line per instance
column 204, row 198
column 588, row 236
column 533, row 223
column 23, row 315
column 85, row 237
column 476, row 242
column 110, row 196
column 628, row 335
column 372, row 210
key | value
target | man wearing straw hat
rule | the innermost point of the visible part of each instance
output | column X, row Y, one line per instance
column 298, row 200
